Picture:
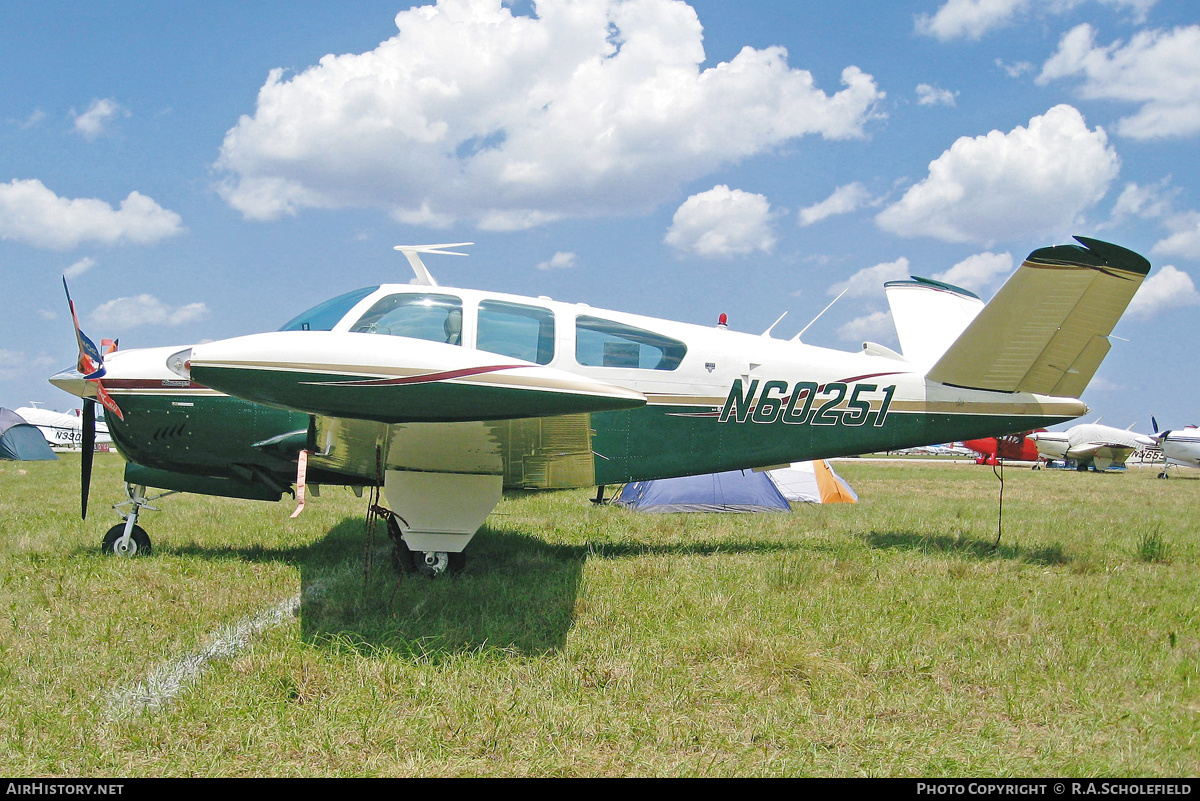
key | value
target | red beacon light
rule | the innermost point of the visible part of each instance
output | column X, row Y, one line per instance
column 723, row 321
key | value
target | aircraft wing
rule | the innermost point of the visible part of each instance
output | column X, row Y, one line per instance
column 392, row 379
column 387, row 403
column 1102, row 455
column 1046, row 330
column 532, row 453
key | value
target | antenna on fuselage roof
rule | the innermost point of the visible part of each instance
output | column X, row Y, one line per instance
column 818, row 317
column 413, row 254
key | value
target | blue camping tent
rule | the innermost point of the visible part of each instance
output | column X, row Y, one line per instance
column 735, row 491
column 19, row 440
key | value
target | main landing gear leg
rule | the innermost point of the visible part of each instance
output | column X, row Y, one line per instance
column 406, row 560
column 128, row 538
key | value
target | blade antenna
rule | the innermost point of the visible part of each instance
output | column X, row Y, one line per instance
column 818, row 317
column 413, row 254
column 767, row 333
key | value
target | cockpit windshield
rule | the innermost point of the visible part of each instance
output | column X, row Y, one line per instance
column 435, row 317
column 324, row 316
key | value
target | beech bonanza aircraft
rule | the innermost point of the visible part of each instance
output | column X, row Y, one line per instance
column 444, row 397
column 1090, row 445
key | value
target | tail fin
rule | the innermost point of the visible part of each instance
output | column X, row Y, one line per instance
column 929, row 316
column 1046, row 330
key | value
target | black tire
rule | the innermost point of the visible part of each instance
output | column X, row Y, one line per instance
column 456, row 562
column 139, row 541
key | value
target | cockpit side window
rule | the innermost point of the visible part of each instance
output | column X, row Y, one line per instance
column 605, row 343
column 324, row 316
column 437, row 318
column 513, row 329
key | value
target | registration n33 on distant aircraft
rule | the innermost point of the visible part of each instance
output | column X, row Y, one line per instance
column 444, row 397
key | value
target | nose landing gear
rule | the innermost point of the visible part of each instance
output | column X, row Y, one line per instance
column 128, row 538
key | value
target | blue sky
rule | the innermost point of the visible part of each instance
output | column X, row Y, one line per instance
column 206, row 170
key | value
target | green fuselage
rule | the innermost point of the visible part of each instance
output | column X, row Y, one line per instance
column 216, row 444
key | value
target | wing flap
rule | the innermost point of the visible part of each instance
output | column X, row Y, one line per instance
column 1046, row 330
column 538, row 452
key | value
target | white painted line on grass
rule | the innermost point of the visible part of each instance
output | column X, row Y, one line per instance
column 169, row 681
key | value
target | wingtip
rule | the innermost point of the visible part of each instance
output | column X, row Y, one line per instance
column 1116, row 256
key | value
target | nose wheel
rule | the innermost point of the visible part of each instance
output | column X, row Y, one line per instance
column 115, row 542
column 128, row 538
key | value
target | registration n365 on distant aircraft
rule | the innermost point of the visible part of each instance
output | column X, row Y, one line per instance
column 445, row 396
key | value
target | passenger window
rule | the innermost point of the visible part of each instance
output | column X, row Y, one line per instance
column 511, row 329
column 604, row 343
column 437, row 318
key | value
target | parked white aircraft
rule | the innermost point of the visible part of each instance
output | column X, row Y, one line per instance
column 444, row 396
column 1090, row 445
column 63, row 430
column 1179, row 446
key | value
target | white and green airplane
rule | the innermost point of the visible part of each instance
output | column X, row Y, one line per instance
column 445, row 397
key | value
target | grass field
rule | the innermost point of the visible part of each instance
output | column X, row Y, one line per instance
column 887, row 638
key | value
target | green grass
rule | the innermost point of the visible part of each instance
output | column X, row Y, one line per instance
column 894, row 637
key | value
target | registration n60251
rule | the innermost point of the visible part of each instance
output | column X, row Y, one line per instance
column 807, row 403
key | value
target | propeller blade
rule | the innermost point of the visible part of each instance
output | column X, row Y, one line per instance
column 91, row 362
column 1154, row 424
column 89, row 450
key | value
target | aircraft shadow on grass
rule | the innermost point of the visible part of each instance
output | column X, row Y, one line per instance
column 966, row 547
column 516, row 593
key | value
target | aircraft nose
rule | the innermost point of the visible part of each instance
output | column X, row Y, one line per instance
column 72, row 381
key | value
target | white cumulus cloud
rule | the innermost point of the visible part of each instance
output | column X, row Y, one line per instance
column 80, row 267
column 979, row 272
column 1167, row 289
column 32, row 214
column 94, row 121
column 844, row 200
column 722, row 222
column 474, row 112
column 928, row 95
column 972, row 19
column 1031, row 182
column 1184, row 240
column 1158, row 70
column 876, row 325
column 1147, row 202
column 123, row 314
column 559, row 261
column 870, row 280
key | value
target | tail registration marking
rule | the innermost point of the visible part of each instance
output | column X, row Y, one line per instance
column 807, row 403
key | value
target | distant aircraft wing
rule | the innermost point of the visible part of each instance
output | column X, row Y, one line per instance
column 1104, row 454
column 1046, row 330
